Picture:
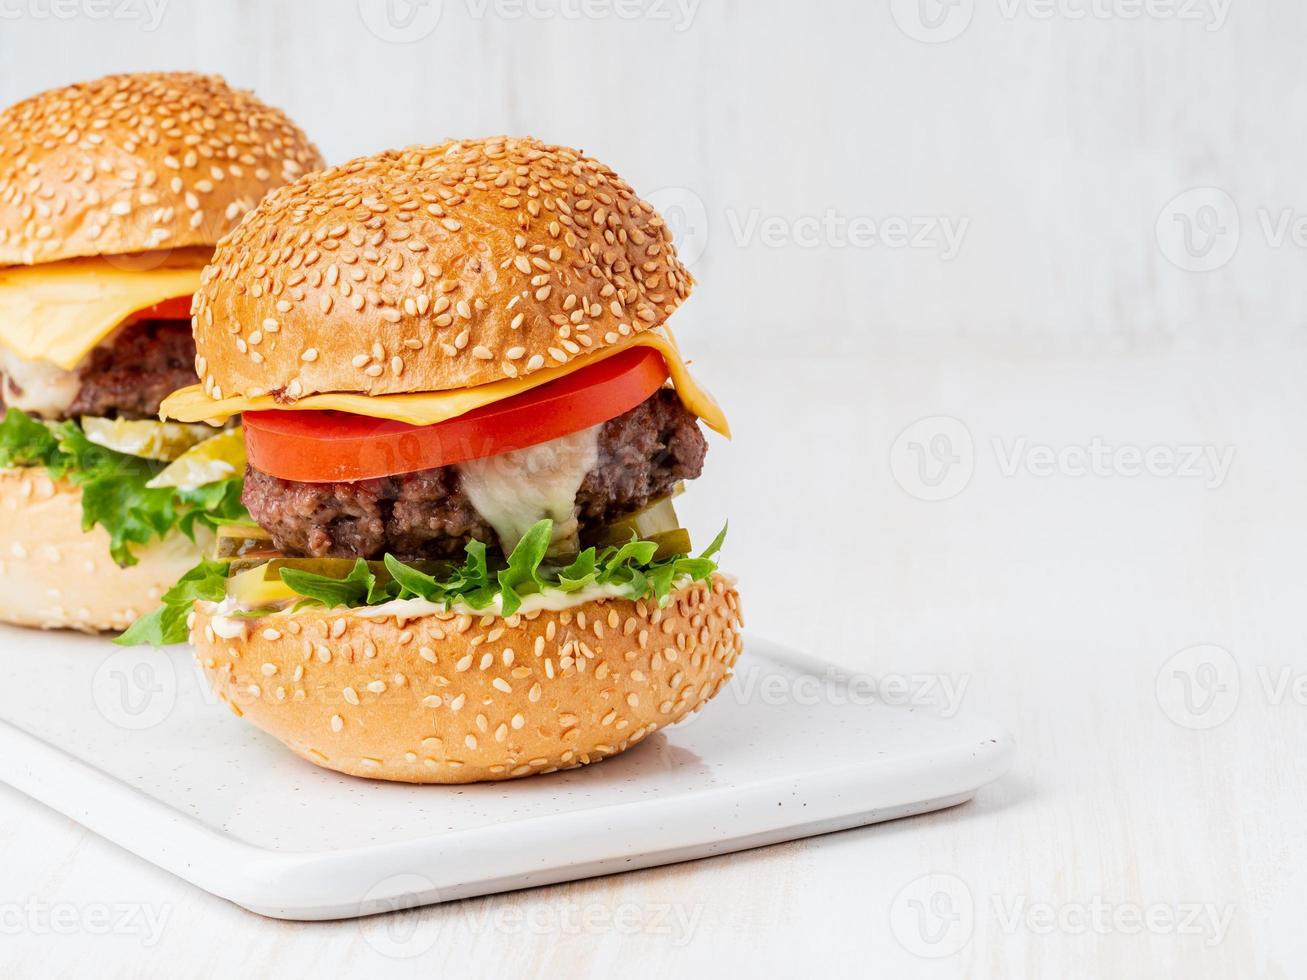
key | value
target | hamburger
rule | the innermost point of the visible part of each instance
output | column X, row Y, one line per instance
column 112, row 196
column 466, row 419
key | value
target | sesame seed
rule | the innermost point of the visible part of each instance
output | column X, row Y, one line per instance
column 579, row 231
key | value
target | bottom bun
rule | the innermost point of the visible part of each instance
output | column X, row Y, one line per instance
column 456, row 698
column 56, row 576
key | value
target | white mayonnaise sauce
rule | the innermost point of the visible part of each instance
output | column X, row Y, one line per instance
column 230, row 629
column 514, row 490
column 550, row 600
column 38, row 388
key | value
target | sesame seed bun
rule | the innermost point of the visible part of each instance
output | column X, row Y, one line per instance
column 140, row 162
column 449, row 698
column 54, row 575
column 432, row 268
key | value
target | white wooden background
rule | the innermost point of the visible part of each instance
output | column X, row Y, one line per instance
column 1069, row 603
column 1053, row 142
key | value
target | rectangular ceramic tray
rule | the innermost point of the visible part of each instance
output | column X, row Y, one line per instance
column 130, row 743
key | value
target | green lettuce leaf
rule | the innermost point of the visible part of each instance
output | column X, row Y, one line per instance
column 167, row 624
column 25, row 441
column 414, row 584
column 631, row 568
column 352, row 590
column 114, row 492
column 523, row 571
column 527, row 570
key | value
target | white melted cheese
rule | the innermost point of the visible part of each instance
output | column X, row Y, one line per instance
column 514, row 490
column 37, row 387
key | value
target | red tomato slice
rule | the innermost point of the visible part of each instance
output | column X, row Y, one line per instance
column 169, row 309
column 309, row 446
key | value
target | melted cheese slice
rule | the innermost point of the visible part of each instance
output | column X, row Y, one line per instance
column 58, row 312
column 427, row 408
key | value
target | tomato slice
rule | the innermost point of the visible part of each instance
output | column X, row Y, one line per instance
column 309, row 446
column 170, row 309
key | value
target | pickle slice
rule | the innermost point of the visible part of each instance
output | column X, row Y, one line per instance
column 256, row 582
column 146, row 438
column 252, row 589
column 659, row 517
column 242, row 540
column 256, row 579
column 218, row 457
column 671, row 543
column 243, row 531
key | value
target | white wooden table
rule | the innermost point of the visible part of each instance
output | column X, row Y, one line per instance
column 1154, row 823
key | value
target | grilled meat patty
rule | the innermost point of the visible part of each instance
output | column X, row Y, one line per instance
column 643, row 454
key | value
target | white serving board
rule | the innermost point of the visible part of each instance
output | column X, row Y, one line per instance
column 130, row 743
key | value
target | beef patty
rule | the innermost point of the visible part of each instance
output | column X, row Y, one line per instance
column 643, row 454
column 130, row 375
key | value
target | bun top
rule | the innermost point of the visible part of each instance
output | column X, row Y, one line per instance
column 431, row 268
column 133, row 163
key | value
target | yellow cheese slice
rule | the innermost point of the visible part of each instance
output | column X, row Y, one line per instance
column 57, row 312
column 427, row 408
